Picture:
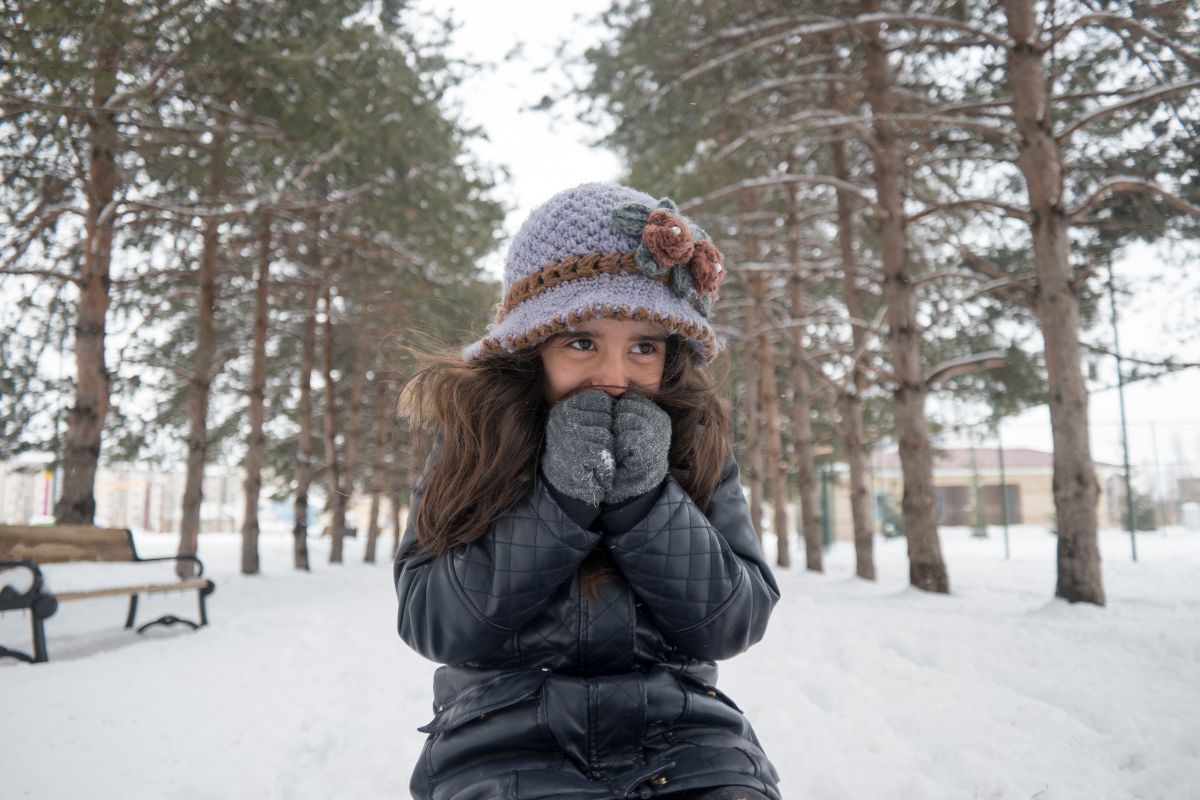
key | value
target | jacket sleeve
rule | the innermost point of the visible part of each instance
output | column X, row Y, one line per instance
column 703, row 578
column 465, row 604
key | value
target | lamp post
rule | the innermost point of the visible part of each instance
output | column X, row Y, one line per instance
column 1003, row 487
column 1112, row 300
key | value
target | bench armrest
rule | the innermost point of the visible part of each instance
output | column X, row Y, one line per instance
column 10, row 598
column 199, row 564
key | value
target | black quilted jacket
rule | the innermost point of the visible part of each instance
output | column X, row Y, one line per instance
column 546, row 694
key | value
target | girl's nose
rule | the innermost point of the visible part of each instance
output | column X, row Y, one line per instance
column 611, row 376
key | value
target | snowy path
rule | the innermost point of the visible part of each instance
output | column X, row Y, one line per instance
column 301, row 689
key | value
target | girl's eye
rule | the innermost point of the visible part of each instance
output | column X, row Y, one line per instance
column 587, row 345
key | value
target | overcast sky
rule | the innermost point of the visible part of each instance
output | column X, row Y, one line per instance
column 547, row 153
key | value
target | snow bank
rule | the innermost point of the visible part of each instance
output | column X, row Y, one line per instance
column 301, row 689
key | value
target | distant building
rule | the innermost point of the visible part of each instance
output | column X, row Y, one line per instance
column 1027, row 489
column 139, row 497
column 26, row 489
column 1188, row 490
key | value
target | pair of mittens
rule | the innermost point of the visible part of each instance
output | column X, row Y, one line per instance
column 601, row 449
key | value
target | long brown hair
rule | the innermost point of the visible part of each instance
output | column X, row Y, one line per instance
column 490, row 415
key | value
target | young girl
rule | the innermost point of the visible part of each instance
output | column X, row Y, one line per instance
column 579, row 551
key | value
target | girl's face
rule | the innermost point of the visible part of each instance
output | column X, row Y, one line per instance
column 607, row 354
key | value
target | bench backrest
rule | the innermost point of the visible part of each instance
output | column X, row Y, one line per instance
column 55, row 543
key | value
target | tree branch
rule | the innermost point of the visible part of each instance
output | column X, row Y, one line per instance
column 1117, row 23
column 972, row 203
column 784, row 180
column 42, row 273
column 832, row 26
column 1012, row 288
column 799, row 123
column 930, row 21
column 959, row 122
column 1147, row 96
column 993, row 359
column 1130, row 184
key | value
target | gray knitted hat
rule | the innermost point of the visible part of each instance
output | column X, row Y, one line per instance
column 603, row 250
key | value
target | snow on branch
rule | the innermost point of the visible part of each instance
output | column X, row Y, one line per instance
column 992, row 359
column 1130, row 184
column 1148, row 96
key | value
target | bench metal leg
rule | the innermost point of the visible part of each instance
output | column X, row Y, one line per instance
column 132, row 611
column 171, row 619
column 204, row 593
column 42, row 607
column 39, row 629
column 17, row 654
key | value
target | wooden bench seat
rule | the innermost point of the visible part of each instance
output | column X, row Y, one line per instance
column 27, row 547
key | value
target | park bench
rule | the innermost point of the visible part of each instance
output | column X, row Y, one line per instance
column 27, row 547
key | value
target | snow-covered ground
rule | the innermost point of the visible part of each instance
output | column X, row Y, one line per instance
column 300, row 688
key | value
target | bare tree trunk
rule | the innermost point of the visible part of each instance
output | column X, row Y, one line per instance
column 378, row 465
column 926, row 570
column 395, row 500
column 202, row 372
column 411, row 474
column 76, row 504
column 349, row 469
column 256, row 445
column 850, row 400
column 304, row 441
column 810, row 525
column 776, row 474
column 1056, row 304
column 754, row 456
column 333, row 469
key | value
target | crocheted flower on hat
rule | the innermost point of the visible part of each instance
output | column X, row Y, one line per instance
column 670, row 242
column 708, row 269
column 667, row 237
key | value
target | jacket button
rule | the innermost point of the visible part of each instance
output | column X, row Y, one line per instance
column 545, row 669
column 658, row 780
column 441, row 708
column 483, row 716
column 711, row 694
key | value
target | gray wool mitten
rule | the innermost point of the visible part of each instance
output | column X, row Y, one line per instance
column 642, row 435
column 579, row 460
